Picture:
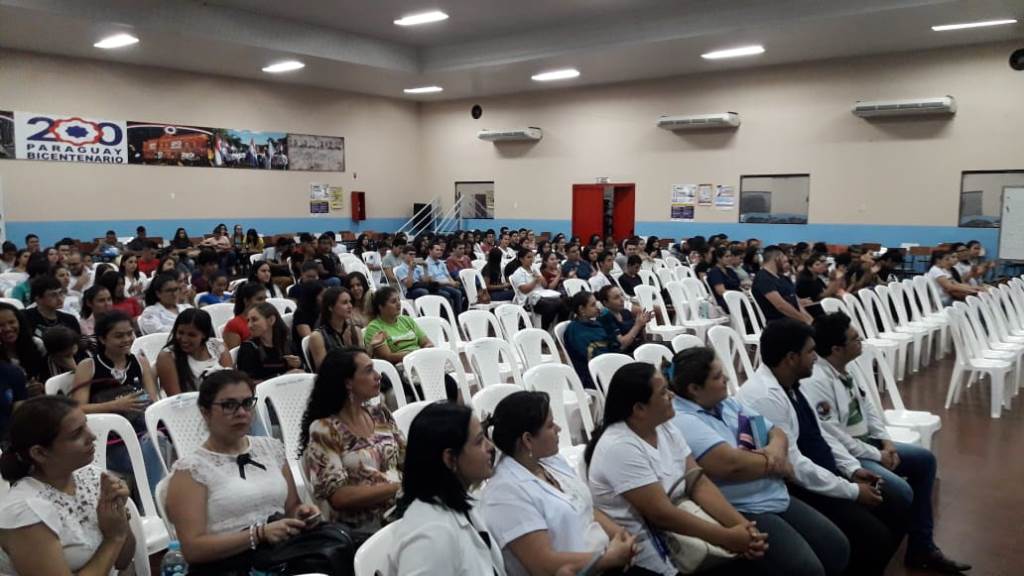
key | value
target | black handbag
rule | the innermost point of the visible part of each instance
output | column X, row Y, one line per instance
column 326, row 548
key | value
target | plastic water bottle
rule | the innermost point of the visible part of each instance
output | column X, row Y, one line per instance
column 173, row 563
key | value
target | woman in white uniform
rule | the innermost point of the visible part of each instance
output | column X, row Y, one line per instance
column 537, row 508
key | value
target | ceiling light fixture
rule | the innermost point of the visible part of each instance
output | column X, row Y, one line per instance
column 286, row 66
column 116, row 41
column 423, row 90
column 422, row 18
column 734, row 52
column 965, row 25
column 564, row 74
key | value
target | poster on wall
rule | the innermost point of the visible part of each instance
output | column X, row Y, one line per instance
column 683, row 196
column 249, row 149
column 56, row 138
column 319, row 199
column 316, row 153
column 337, row 196
column 725, row 197
column 169, row 144
column 704, row 193
column 6, row 135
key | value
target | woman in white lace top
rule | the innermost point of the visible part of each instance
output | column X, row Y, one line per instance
column 62, row 515
column 221, row 496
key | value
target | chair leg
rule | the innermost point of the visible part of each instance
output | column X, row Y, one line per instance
column 954, row 385
column 998, row 381
column 915, row 360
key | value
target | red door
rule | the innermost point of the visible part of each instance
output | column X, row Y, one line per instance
column 623, row 211
column 587, row 210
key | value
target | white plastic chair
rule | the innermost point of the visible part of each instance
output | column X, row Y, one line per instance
column 653, row 354
column 13, row 302
column 738, row 302
column 493, row 361
column 438, row 331
column 894, row 346
column 991, row 344
column 372, row 556
column 385, row 368
column 220, row 313
column 288, row 319
column 283, row 305
column 650, row 299
column 408, row 309
column 406, row 414
column 877, row 305
column 304, row 345
column 892, row 299
column 288, row 395
column 486, row 400
column 560, row 381
column 476, row 324
column 729, row 347
column 969, row 361
column 512, row 318
column 431, row 306
column 471, row 280
column 684, row 341
column 575, row 285
column 650, row 278
column 924, row 423
column 686, row 299
column 428, row 366
column 182, row 420
column 932, row 311
column 102, row 425
column 666, row 275
column 559, row 331
column 531, row 344
column 60, row 384
column 150, row 345
column 603, row 367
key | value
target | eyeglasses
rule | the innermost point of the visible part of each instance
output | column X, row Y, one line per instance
column 232, row 406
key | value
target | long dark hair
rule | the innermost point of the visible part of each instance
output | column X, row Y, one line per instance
column 630, row 386
column 36, row 422
column 329, row 395
column 278, row 332
column 517, row 414
column 252, row 277
column 29, row 357
column 492, row 270
column 200, row 320
column 578, row 301
column 438, row 427
column 157, row 285
column 245, row 293
column 691, row 366
column 327, row 302
column 89, row 296
column 109, row 280
column 380, row 298
column 214, row 383
column 517, row 263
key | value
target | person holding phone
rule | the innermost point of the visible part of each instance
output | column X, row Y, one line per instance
column 267, row 352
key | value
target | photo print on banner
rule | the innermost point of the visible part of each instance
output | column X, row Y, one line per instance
column 316, row 153
column 6, row 135
column 169, row 145
column 56, row 138
column 249, row 149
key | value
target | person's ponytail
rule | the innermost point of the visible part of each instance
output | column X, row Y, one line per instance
column 36, row 422
column 13, row 466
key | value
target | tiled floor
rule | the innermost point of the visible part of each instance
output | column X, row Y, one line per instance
column 980, row 500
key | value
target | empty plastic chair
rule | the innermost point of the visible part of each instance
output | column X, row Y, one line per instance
column 654, row 354
column 476, row 324
column 532, row 343
column 493, row 361
column 150, row 345
column 406, row 414
column 486, row 400
column 427, row 367
column 729, row 349
column 684, row 341
column 603, row 367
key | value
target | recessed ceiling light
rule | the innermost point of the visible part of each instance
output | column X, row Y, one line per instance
column 116, row 41
column 422, row 18
column 734, row 52
column 286, row 66
column 946, row 27
column 556, row 75
column 423, row 90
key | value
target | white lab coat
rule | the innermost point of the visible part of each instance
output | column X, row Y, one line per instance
column 434, row 540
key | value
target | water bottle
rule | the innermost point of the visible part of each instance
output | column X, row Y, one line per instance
column 173, row 563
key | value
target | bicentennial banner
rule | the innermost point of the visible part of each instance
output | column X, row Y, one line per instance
column 70, row 138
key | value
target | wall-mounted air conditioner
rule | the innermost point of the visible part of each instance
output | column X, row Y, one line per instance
column 530, row 134
column 700, row 121
column 914, row 107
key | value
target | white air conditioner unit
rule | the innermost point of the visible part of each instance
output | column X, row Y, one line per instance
column 918, row 106
column 700, row 121
column 530, row 134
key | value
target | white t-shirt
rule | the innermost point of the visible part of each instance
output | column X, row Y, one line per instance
column 156, row 318
column 623, row 461
column 522, row 276
column 215, row 346
column 935, row 273
column 515, row 503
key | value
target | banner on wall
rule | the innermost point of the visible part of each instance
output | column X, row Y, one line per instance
column 337, row 195
column 6, row 134
column 319, row 199
column 725, row 197
column 169, row 145
column 56, row 138
column 316, row 153
column 704, row 193
column 683, row 196
column 250, row 149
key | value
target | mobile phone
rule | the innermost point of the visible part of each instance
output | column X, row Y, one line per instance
column 313, row 520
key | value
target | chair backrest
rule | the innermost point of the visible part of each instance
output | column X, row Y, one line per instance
column 477, row 324
column 283, row 305
column 372, row 556
column 13, row 302
column 1005, row 296
column 666, row 275
column 140, row 559
column 150, row 345
column 694, row 289
column 574, row 285
column 471, row 281
column 428, row 366
column 857, row 313
column 489, row 358
column 288, row 319
column 684, row 271
column 195, row 299
column 512, row 318
column 876, row 305
column 305, row 351
column 684, row 341
column 288, row 395
column 737, row 302
column 60, row 384
column 555, row 380
column 649, row 278
column 994, row 315
column 408, row 309
column 672, row 261
column 832, row 305
column 102, row 425
column 385, row 368
column 728, row 346
column 650, row 299
column 479, row 264
column 971, row 331
column 603, row 367
column 531, row 343
column 984, row 324
column 182, row 420
column 438, row 330
column 234, row 355
column 486, row 400
column 914, row 309
column 433, row 305
column 654, row 354
column 928, row 306
column 697, row 287
column 898, row 304
column 406, row 414
column 220, row 313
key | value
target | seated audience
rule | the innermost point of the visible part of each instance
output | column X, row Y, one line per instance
column 8, row 256
column 307, row 313
column 46, row 292
column 638, row 461
column 218, row 293
column 162, row 306
column 630, row 278
column 62, row 515
column 410, row 275
column 773, row 290
column 148, row 260
column 497, row 286
column 949, row 288
column 440, row 281
column 849, row 416
column 134, row 280
column 551, row 271
column 531, row 293
column 441, row 532
column 114, row 283
column 618, row 319
column 95, row 303
column 536, row 506
column 630, row 247
column 208, row 265
column 585, row 337
column 37, row 266
column 235, row 492
column 352, row 451
column 814, row 284
column 261, row 274
column 236, row 330
column 574, row 266
column 603, row 275
column 61, row 345
column 335, row 328
column 401, row 334
column 721, row 276
column 457, row 259
column 750, row 470
column 832, row 484
column 359, row 289
column 267, row 353
column 191, row 353
column 16, row 344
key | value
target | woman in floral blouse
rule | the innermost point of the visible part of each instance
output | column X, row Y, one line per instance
column 352, row 452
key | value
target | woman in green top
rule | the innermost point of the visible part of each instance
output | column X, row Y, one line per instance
column 401, row 333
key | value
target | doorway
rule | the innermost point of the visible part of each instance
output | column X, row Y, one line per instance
column 603, row 209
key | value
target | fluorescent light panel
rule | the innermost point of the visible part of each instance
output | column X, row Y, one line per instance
column 423, row 90
column 965, row 25
column 734, row 52
column 564, row 74
column 116, row 41
column 286, row 66
column 422, row 18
